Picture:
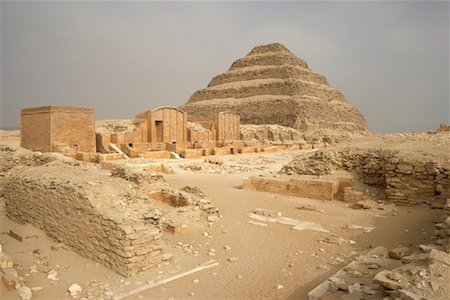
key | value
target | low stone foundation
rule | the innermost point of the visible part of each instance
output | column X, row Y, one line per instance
column 192, row 153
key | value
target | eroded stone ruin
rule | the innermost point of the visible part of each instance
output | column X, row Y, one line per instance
column 269, row 77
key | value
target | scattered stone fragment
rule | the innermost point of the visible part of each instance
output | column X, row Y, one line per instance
column 226, row 247
column 37, row 288
column 267, row 212
column 399, row 253
column 25, row 293
column 58, row 246
column 373, row 267
column 52, row 275
column 425, row 249
column 75, row 289
column 332, row 240
column 212, row 218
column 334, row 284
column 239, row 276
column 232, row 259
column 415, row 257
column 167, row 256
column 195, row 280
column 279, row 287
column 6, row 262
column 11, row 279
column 15, row 235
column 390, row 280
column 356, row 287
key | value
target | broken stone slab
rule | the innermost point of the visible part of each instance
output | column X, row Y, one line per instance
column 390, row 280
column 399, row 253
column 257, row 223
column 415, row 257
column 310, row 208
column 267, row 212
column 297, row 224
column 332, row 240
column 378, row 252
column 359, row 227
column 152, row 284
column 173, row 227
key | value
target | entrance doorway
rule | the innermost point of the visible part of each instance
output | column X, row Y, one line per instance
column 159, row 131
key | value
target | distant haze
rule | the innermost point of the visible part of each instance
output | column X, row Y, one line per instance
column 390, row 59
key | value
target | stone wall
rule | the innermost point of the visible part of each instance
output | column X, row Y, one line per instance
column 100, row 217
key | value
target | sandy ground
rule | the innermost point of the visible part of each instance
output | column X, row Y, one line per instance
column 273, row 262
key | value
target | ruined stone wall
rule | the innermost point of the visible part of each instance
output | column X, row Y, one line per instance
column 406, row 181
column 47, row 128
column 98, row 216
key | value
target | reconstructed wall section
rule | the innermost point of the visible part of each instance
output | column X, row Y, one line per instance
column 98, row 216
column 48, row 128
column 166, row 125
column 228, row 126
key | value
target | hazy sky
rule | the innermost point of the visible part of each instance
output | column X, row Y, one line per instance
column 390, row 59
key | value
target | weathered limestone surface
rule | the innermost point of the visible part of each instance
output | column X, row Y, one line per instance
column 272, row 86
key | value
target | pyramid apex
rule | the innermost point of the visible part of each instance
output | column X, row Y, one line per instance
column 273, row 47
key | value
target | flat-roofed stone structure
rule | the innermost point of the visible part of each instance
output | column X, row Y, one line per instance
column 48, row 128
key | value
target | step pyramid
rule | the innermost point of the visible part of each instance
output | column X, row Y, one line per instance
column 270, row 85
